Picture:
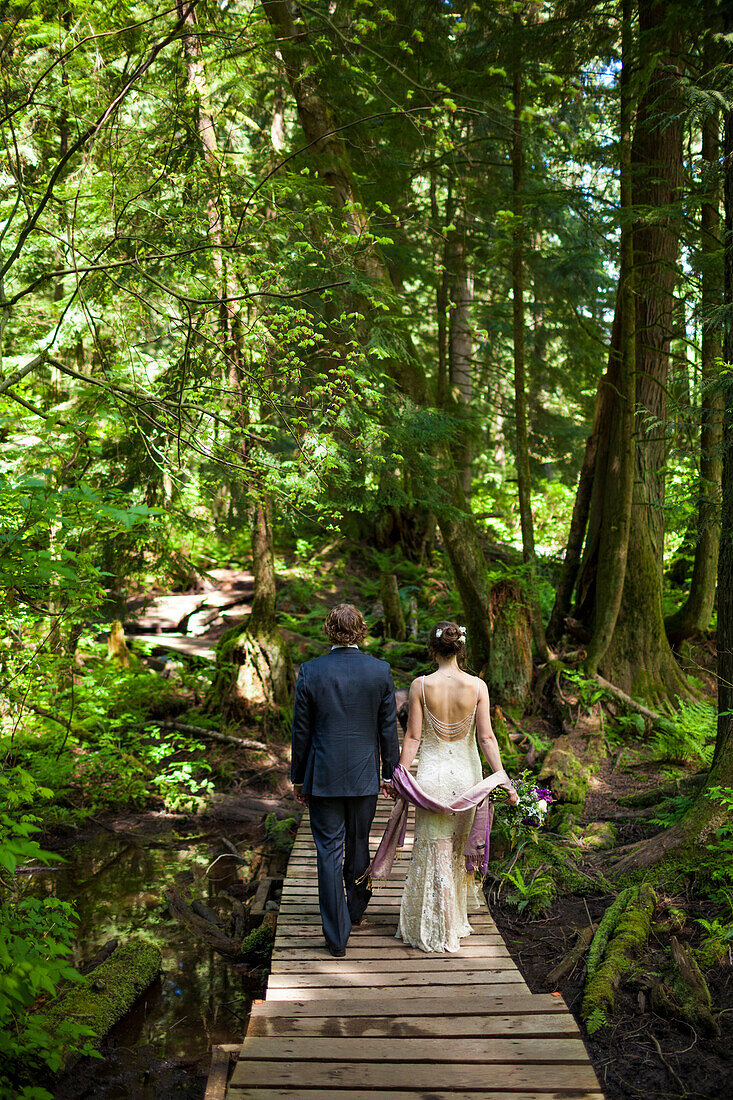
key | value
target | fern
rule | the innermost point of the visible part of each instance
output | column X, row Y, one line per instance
column 596, row 1021
column 688, row 735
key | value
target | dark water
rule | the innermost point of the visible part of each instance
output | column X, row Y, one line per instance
column 162, row 1048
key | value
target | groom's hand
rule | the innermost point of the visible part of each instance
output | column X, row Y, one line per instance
column 299, row 796
column 387, row 790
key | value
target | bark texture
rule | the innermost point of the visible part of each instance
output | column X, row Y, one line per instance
column 613, row 544
column 509, row 675
column 520, row 381
column 394, row 619
column 639, row 658
column 697, row 610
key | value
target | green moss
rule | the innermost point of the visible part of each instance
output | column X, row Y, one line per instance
column 108, row 992
column 568, row 776
column 257, row 945
column 626, row 941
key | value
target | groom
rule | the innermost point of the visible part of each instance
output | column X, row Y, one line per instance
column 344, row 721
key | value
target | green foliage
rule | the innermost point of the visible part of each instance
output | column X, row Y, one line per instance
column 535, row 892
column 36, row 940
column 688, row 735
column 589, row 692
column 257, row 944
column 715, row 873
column 716, row 943
column 280, row 834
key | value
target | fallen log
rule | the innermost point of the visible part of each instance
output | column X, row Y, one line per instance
column 631, row 704
column 206, row 929
column 625, row 943
column 246, row 807
column 573, row 957
column 106, row 994
column 656, row 795
column 214, row 735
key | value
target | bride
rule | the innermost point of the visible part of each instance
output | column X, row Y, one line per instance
column 449, row 711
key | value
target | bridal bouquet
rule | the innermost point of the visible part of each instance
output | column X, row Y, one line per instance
column 532, row 809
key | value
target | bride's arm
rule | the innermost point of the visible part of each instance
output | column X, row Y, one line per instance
column 486, row 737
column 413, row 734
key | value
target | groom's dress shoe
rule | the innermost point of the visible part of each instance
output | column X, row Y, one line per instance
column 337, row 952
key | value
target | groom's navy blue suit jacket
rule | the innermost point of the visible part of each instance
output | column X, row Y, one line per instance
column 344, row 720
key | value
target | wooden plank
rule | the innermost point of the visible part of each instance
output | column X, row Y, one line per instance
column 414, row 1077
column 382, row 938
column 477, row 1002
column 355, row 993
column 463, row 1052
column 432, row 1094
column 216, row 1085
column 387, row 979
column 295, row 958
column 540, row 1025
column 417, row 962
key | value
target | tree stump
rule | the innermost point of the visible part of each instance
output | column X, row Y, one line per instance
column 510, row 665
column 254, row 672
column 117, row 646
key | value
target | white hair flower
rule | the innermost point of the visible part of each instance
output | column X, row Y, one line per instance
column 439, row 631
column 463, row 631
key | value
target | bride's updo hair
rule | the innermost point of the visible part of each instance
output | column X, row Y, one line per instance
column 447, row 638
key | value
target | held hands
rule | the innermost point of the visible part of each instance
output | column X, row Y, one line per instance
column 387, row 791
column 299, row 796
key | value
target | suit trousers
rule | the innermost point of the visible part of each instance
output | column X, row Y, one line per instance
column 340, row 828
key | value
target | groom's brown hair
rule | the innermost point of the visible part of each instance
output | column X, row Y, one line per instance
column 345, row 625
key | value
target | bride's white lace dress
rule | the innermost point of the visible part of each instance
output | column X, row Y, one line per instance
column 439, row 891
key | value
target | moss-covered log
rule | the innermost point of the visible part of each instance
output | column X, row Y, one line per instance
column 510, row 667
column 106, row 994
column 626, row 942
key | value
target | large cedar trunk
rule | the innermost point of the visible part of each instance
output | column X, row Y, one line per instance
column 708, row 813
column 696, row 612
column 460, row 345
column 638, row 658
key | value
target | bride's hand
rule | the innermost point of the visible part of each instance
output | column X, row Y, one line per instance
column 513, row 798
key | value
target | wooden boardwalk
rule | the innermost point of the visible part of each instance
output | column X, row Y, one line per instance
column 390, row 1022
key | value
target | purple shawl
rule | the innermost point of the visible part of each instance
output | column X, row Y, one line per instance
column 409, row 790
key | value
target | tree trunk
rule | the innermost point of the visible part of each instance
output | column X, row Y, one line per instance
column 619, row 474
column 457, row 526
column 578, row 523
column 510, row 670
column 394, row 619
column 106, row 995
column 696, row 613
column 254, row 669
column 460, row 345
column 709, row 813
column 638, row 658
column 520, row 382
